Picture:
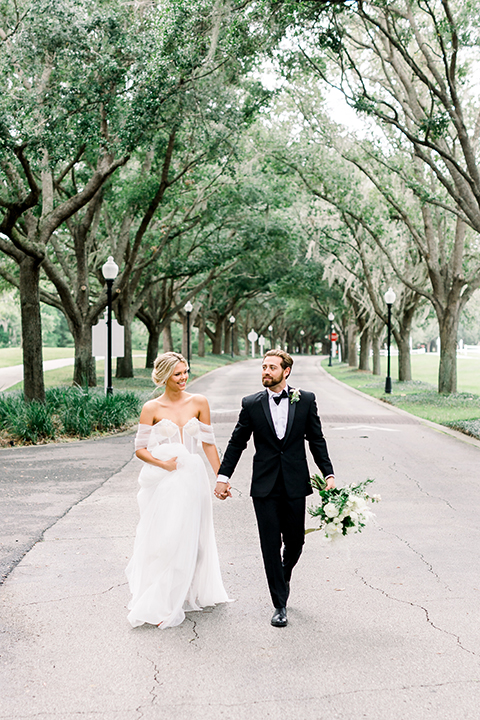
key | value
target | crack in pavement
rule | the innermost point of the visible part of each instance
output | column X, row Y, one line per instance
column 419, row 554
column 194, row 628
column 420, row 607
column 156, row 684
column 71, row 597
column 327, row 696
column 434, row 497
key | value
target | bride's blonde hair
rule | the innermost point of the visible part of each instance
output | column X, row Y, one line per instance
column 164, row 366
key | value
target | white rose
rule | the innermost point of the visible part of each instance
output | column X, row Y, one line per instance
column 330, row 510
column 333, row 531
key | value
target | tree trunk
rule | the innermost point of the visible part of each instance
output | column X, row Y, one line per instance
column 125, row 363
column 404, row 359
column 201, row 337
column 216, row 337
column 364, row 349
column 402, row 338
column 447, row 371
column 376, row 343
column 33, row 383
column 167, row 338
column 352, row 345
column 85, row 370
column 152, row 345
column 227, row 341
column 125, row 316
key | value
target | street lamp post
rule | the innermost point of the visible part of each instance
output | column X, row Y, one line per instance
column 331, row 317
column 232, row 323
column 188, row 307
column 389, row 299
column 109, row 272
column 302, row 333
column 270, row 330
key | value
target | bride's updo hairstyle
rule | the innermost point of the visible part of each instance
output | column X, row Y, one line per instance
column 164, row 366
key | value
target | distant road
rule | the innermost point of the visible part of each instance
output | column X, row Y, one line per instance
column 12, row 375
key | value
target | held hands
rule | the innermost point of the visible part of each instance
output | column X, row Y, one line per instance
column 222, row 490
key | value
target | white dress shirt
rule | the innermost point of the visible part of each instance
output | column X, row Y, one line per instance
column 279, row 412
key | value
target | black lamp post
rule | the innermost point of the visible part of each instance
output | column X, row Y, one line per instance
column 188, row 307
column 109, row 272
column 331, row 317
column 232, row 323
column 389, row 299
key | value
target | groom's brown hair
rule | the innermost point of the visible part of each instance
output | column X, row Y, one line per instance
column 286, row 359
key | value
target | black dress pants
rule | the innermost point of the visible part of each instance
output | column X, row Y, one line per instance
column 280, row 520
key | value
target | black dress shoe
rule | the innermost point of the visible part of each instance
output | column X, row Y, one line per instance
column 279, row 617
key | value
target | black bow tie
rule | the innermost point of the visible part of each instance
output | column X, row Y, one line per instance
column 277, row 398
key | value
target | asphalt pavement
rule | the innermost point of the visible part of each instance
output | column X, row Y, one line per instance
column 383, row 625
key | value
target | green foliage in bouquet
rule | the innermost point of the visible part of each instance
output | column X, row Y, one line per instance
column 342, row 511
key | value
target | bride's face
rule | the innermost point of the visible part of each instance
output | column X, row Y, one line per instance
column 178, row 379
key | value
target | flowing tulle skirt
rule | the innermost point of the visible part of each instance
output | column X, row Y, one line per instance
column 175, row 564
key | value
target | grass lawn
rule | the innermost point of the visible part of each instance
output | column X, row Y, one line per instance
column 14, row 356
column 419, row 396
column 142, row 382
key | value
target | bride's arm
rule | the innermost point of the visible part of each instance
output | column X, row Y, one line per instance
column 222, row 490
column 212, row 456
column 146, row 456
column 147, row 418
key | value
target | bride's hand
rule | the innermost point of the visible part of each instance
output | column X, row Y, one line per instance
column 170, row 464
column 222, row 490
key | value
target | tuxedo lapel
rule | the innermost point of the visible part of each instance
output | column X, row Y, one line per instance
column 266, row 410
column 291, row 416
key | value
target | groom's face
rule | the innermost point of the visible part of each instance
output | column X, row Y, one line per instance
column 273, row 375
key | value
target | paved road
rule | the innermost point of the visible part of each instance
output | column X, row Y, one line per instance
column 39, row 485
column 383, row 626
column 12, row 375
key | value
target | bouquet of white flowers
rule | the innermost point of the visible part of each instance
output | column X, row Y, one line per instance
column 342, row 511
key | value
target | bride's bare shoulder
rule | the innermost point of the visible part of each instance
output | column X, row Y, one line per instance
column 149, row 411
column 201, row 400
column 202, row 408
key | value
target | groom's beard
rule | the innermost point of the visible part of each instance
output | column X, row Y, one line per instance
column 272, row 381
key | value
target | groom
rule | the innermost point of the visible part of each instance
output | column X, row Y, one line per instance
column 281, row 419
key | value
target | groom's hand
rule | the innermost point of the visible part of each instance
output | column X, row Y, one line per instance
column 222, row 490
column 330, row 480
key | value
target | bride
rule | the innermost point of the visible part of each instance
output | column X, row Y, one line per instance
column 175, row 562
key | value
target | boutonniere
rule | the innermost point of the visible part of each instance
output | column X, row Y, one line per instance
column 294, row 395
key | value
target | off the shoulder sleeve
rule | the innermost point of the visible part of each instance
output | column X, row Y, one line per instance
column 143, row 436
column 206, row 434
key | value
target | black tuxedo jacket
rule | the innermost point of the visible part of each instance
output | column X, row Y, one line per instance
column 272, row 454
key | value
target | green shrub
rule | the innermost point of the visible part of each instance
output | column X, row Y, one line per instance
column 77, row 420
column 67, row 411
column 32, row 423
column 11, row 405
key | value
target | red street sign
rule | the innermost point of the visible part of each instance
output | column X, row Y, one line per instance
column 334, row 337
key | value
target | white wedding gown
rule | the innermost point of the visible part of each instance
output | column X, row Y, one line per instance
column 175, row 564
